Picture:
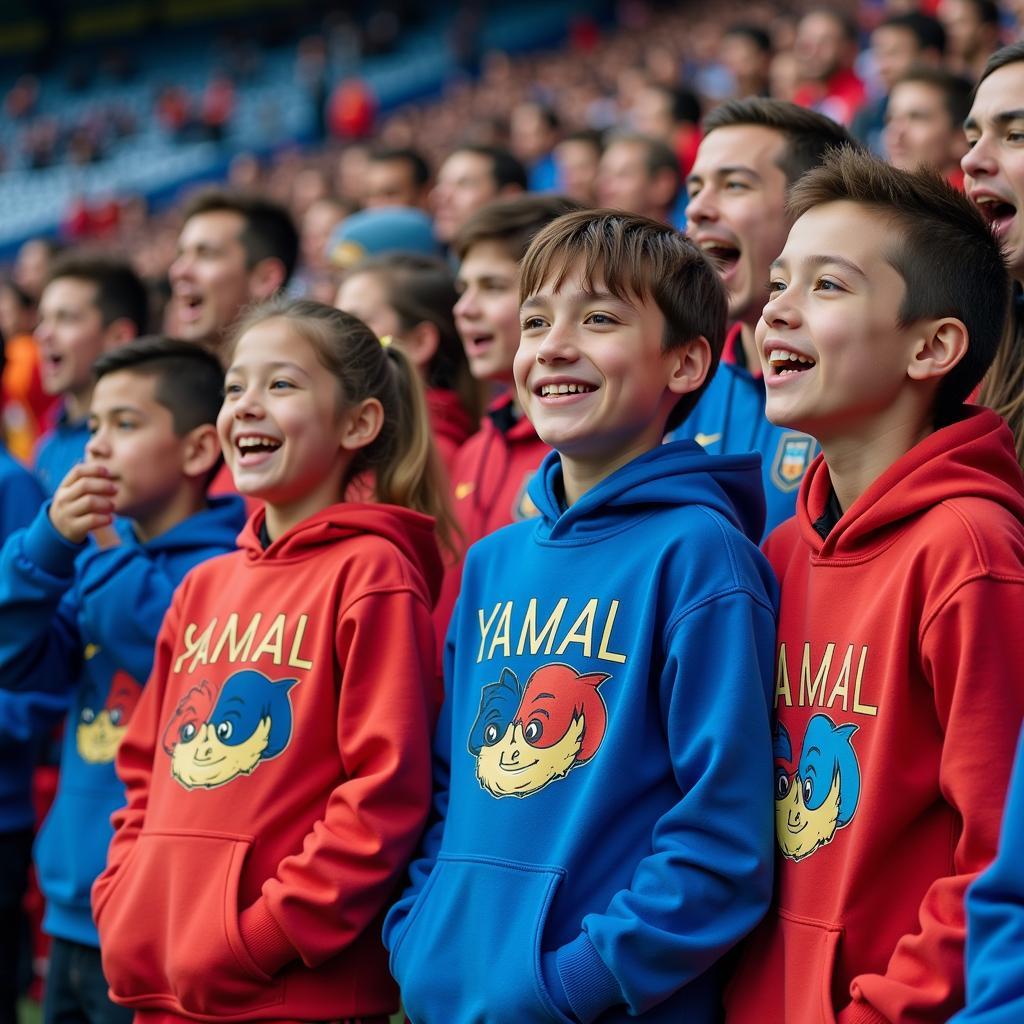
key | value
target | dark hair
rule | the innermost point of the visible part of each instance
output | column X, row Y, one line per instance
column 658, row 156
column 808, row 134
column 987, row 11
column 414, row 159
column 641, row 257
column 189, row 379
column 590, row 136
column 422, row 288
column 1012, row 54
column 846, row 23
column 120, row 294
column 955, row 89
column 510, row 222
column 505, row 168
column 928, row 31
column 754, row 33
column 268, row 231
column 940, row 245
column 22, row 297
column 685, row 106
column 400, row 464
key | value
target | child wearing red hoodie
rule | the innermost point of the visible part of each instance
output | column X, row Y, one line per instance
column 897, row 693
column 278, row 769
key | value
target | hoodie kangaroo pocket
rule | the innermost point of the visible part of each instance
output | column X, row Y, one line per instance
column 471, row 950
column 170, row 932
column 786, row 972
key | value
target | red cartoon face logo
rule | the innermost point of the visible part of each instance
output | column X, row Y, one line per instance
column 526, row 737
column 100, row 729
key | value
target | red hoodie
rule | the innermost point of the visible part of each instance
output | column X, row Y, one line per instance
column 278, row 776
column 450, row 424
column 899, row 697
column 489, row 481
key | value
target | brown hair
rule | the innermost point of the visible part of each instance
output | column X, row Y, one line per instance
column 941, row 247
column 401, row 461
column 641, row 257
column 511, row 223
column 422, row 288
column 120, row 293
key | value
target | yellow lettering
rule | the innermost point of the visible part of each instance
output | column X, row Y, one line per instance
column 603, row 652
column 530, row 627
column 273, row 642
column 294, row 660
column 196, row 647
column 582, row 630
column 858, row 707
column 808, row 690
column 485, row 628
column 782, row 688
column 502, row 632
column 238, row 650
column 842, row 687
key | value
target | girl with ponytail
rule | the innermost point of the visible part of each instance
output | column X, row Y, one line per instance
column 277, row 767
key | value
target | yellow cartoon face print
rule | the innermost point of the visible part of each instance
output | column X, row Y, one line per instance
column 100, row 729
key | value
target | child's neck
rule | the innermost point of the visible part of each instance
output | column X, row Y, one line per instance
column 76, row 404
column 185, row 504
column 856, row 461
column 582, row 475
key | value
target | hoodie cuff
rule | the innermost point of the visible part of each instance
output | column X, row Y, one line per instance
column 46, row 547
column 860, row 1013
column 263, row 939
column 589, row 986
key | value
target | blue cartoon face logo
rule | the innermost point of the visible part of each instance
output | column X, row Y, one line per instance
column 820, row 796
column 213, row 739
column 526, row 737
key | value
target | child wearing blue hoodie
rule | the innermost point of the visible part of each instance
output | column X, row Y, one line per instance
column 81, row 602
column 603, row 758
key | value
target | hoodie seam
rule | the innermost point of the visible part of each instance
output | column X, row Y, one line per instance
column 594, row 538
column 758, row 599
column 395, row 588
column 981, row 574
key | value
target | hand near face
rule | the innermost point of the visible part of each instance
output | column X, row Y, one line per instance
column 83, row 502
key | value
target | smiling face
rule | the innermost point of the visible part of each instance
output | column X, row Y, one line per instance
column 737, row 210
column 202, row 759
column 835, row 360
column 70, row 336
column 800, row 830
column 592, row 376
column 994, row 164
column 510, row 765
column 281, row 423
column 133, row 436
column 487, row 313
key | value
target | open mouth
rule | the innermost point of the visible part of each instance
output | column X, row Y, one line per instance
column 553, row 390
column 256, row 444
column 189, row 306
column 724, row 256
column 997, row 212
column 477, row 343
column 783, row 361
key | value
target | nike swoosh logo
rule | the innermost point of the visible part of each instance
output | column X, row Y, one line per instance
column 705, row 439
column 464, row 490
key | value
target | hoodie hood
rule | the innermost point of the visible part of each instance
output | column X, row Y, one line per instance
column 411, row 532
column 678, row 473
column 215, row 526
column 973, row 458
column 448, row 416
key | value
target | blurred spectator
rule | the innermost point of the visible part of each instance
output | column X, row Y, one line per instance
column 972, row 34
column 639, row 174
column 899, row 43
column 924, row 124
column 217, row 108
column 396, row 176
column 746, row 53
column 32, row 267
column 825, row 49
column 578, row 157
column 315, row 278
column 351, row 110
column 470, row 178
column 672, row 114
column 351, row 171
column 379, row 232
column 23, row 98
column 534, row 130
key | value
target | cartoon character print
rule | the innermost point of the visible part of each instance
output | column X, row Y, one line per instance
column 820, row 796
column 214, row 738
column 101, row 727
column 526, row 737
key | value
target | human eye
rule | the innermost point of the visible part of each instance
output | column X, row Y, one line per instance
column 775, row 286
column 232, row 388
column 826, row 284
column 599, row 319
column 125, row 423
column 736, row 185
column 281, row 384
column 92, row 425
column 532, row 323
column 1015, row 134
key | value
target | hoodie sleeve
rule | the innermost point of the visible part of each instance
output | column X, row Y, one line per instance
column 421, row 868
column 40, row 642
column 972, row 648
column 707, row 880
column 24, row 716
column 995, row 922
column 322, row 898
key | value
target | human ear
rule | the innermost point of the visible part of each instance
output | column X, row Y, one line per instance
column 420, row 344
column 361, row 423
column 202, row 450
column 940, row 346
column 266, row 278
column 691, row 364
column 119, row 332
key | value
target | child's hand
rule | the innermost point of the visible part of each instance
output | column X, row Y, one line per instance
column 106, row 537
column 83, row 502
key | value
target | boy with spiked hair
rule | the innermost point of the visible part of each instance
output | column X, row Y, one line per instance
column 603, row 829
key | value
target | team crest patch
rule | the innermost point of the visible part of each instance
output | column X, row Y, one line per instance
column 523, row 507
column 792, row 457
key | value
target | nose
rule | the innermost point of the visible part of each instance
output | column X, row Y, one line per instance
column 701, row 208
column 979, row 160
column 558, row 345
column 180, row 267
column 246, row 404
column 467, row 306
column 97, row 447
column 43, row 331
column 781, row 310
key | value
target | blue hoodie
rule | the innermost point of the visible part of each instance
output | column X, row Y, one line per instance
column 603, row 760
column 22, row 722
column 729, row 419
column 83, row 621
column 58, row 450
column 995, row 922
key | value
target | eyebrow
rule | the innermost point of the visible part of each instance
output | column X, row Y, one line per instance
column 724, row 172
column 281, row 364
column 584, row 298
column 1002, row 118
column 821, row 261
